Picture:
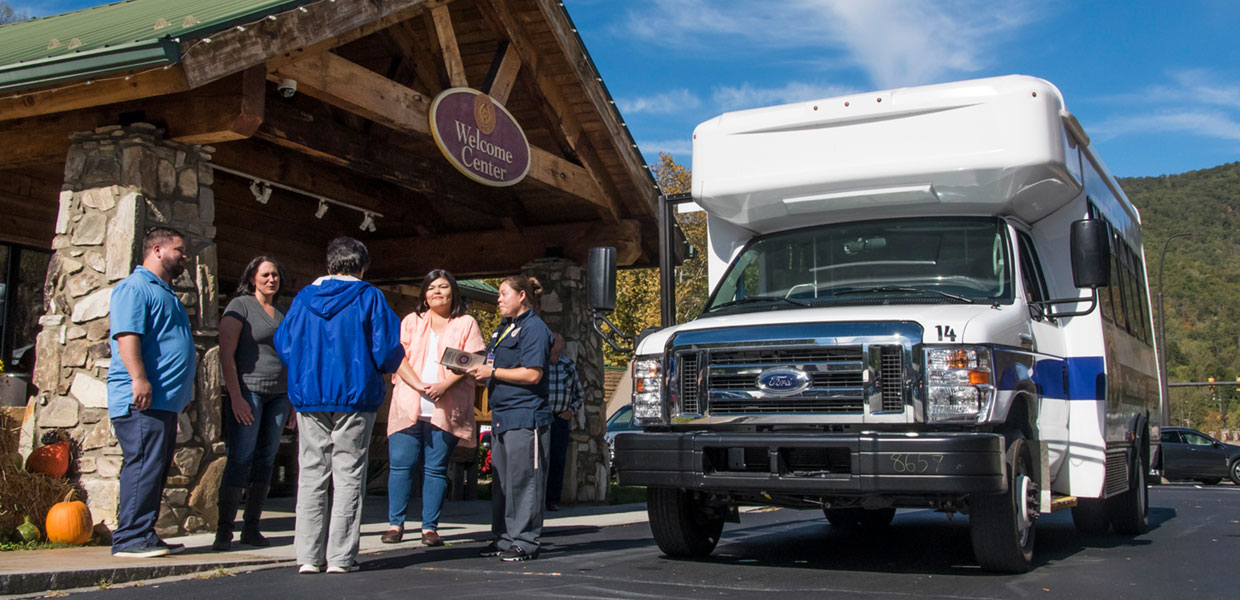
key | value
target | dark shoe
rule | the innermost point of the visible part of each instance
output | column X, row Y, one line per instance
column 230, row 499
column 517, row 554
column 393, row 536
column 491, row 550
column 254, row 538
column 172, row 548
column 553, row 507
column 255, row 497
column 143, row 550
column 431, row 538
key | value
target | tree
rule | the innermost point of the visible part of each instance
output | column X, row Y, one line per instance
column 637, row 290
column 8, row 15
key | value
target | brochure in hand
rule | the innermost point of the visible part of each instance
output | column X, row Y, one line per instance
column 459, row 360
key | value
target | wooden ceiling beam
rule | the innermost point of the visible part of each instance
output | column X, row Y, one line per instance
column 500, row 251
column 499, row 83
column 575, row 56
column 561, row 117
column 76, row 96
column 430, row 178
column 232, row 115
column 322, row 25
column 446, row 35
column 344, row 84
column 228, row 109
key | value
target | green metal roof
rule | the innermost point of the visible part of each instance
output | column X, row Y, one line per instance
column 115, row 37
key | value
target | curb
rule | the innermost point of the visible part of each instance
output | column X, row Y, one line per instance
column 45, row 581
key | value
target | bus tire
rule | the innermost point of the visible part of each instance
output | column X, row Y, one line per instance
column 1090, row 515
column 1130, row 511
column 681, row 525
column 1003, row 526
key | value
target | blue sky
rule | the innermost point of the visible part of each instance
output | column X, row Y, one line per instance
column 1156, row 84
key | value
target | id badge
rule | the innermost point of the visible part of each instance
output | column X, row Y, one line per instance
column 490, row 359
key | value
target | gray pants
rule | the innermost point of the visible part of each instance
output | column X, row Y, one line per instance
column 520, row 464
column 334, row 447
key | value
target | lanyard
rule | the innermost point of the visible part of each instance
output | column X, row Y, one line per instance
column 503, row 335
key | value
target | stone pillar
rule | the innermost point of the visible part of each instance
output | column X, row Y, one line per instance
column 567, row 312
column 118, row 182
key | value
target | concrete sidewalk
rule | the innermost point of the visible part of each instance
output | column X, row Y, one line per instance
column 34, row 571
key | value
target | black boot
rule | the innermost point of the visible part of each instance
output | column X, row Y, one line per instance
column 230, row 498
column 254, row 500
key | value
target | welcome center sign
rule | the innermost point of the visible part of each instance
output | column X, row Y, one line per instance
column 479, row 137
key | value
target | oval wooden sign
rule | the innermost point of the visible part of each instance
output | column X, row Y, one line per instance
column 479, row 137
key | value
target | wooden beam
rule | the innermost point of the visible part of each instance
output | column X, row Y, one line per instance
column 560, row 116
column 79, row 95
column 224, row 110
column 344, row 84
column 575, row 55
column 501, row 251
column 323, row 25
column 347, row 85
column 259, row 160
column 432, row 178
column 447, row 42
column 499, row 87
column 235, row 116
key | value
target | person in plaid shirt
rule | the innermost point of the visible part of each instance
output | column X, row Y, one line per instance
column 565, row 395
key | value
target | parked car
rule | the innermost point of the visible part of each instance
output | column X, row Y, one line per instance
column 620, row 422
column 1189, row 454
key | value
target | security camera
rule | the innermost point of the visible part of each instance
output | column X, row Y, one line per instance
column 287, row 87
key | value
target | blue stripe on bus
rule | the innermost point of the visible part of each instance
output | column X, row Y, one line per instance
column 1086, row 374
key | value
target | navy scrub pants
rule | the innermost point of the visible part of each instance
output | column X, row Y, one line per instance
column 147, row 439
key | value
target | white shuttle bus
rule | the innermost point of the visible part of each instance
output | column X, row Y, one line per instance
column 931, row 297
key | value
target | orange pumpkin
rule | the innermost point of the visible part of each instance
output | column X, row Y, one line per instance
column 51, row 460
column 68, row 522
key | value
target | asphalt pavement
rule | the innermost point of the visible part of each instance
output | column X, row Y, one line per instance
column 1190, row 551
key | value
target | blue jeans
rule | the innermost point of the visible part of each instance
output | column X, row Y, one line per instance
column 426, row 445
column 560, row 430
column 252, row 448
column 147, row 439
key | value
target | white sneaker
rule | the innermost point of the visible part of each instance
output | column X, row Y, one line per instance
column 352, row 568
column 308, row 569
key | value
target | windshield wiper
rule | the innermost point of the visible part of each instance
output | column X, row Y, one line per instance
column 911, row 290
column 749, row 299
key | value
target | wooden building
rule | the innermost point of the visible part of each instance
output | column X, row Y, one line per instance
column 271, row 127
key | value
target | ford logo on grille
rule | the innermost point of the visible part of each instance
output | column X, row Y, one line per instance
column 783, row 381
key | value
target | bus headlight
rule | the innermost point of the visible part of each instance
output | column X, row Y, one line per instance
column 648, row 390
column 959, row 386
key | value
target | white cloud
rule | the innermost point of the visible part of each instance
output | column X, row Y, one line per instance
column 747, row 96
column 664, row 103
column 1197, row 102
column 1211, row 124
column 896, row 42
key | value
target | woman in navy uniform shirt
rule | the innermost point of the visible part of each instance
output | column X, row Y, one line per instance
column 517, row 357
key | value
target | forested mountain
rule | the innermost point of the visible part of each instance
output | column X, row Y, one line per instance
column 1202, row 279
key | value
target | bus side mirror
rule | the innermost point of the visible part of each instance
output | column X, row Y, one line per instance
column 1091, row 254
column 601, row 275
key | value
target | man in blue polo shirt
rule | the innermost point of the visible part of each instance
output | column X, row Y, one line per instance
column 150, row 381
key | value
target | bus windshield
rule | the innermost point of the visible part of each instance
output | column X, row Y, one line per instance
column 901, row 261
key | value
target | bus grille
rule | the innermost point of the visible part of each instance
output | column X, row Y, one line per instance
column 724, row 381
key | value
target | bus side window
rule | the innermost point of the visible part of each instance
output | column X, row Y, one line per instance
column 1117, row 277
column 1031, row 274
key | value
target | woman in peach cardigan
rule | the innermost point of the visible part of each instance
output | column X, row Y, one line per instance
column 426, row 421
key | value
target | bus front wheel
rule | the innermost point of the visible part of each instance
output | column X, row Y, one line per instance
column 1002, row 525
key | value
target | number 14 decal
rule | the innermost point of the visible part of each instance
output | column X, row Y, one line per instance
column 945, row 332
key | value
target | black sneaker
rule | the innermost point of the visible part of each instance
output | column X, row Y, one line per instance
column 517, row 554
column 491, row 550
column 141, row 550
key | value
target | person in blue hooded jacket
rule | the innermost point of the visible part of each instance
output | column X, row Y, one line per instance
column 338, row 340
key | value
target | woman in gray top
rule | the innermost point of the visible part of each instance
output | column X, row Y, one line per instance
column 258, row 407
